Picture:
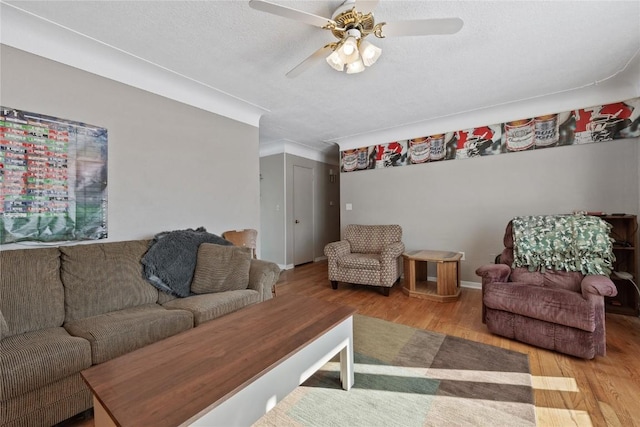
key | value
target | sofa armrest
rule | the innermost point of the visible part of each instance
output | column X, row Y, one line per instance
column 337, row 249
column 491, row 273
column 391, row 252
column 598, row 285
column 263, row 275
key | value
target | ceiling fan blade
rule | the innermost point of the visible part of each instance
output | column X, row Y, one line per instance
column 366, row 6
column 422, row 27
column 310, row 61
column 288, row 12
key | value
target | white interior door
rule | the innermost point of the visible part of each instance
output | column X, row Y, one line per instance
column 302, row 215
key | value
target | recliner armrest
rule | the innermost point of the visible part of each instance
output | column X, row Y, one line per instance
column 337, row 249
column 598, row 285
column 491, row 273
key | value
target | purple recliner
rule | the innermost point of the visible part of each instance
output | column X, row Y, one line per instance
column 556, row 310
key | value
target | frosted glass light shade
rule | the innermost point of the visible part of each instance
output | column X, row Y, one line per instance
column 335, row 61
column 349, row 50
column 356, row 66
column 369, row 53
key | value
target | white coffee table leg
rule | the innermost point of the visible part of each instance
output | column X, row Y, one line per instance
column 346, row 365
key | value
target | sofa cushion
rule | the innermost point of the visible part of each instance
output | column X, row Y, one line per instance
column 116, row 333
column 209, row 306
column 33, row 359
column 31, row 290
column 104, row 277
column 221, row 268
column 360, row 261
column 538, row 302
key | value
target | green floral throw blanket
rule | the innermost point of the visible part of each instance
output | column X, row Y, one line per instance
column 563, row 242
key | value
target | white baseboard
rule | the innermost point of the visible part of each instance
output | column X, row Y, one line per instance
column 472, row 285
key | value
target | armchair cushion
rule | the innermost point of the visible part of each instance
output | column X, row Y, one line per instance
column 362, row 261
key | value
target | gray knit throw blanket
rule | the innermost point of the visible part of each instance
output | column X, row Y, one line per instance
column 170, row 261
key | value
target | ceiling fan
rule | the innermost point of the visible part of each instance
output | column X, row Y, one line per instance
column 351, row 23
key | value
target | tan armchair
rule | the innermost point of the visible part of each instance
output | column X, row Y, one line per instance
column 367, row 255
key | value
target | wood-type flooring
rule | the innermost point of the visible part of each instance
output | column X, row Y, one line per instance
column 568, row 391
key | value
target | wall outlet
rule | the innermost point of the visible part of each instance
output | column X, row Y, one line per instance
column 463, row 257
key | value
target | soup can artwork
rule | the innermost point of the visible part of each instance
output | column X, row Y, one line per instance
column 363, row 158
column 520, row 134
column 546, row 130
column 437, row 147
column 419, row 150
column 349, row 160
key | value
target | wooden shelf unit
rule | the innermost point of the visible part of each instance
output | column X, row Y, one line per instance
column 624, row 231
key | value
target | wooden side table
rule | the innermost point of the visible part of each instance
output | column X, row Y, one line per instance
column 446, row 288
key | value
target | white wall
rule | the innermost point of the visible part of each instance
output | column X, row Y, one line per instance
column 171, row 166
column 464, row 205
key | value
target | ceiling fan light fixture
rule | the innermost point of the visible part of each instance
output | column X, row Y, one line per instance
column 335, row 61
column 348, row 51
column 369, row 52
column 349, row 46
column 355, row 66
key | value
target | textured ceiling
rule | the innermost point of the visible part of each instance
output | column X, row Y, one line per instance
column 507, row 51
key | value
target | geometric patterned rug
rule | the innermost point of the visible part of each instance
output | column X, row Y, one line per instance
column 412, row 377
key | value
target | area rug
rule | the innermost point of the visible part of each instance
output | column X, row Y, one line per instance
column 412, row 377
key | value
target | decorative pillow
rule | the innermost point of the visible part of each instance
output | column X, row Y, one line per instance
column 221, row 268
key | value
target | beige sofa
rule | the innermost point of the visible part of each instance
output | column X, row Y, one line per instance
column 63, row 309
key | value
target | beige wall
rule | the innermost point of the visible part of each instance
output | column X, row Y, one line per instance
column 171, row 166
column 464, row 205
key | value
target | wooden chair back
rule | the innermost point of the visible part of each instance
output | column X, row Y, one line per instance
column 246, row 238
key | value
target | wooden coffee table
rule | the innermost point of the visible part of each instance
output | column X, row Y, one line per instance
column 229, row 371
column 446, row 288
